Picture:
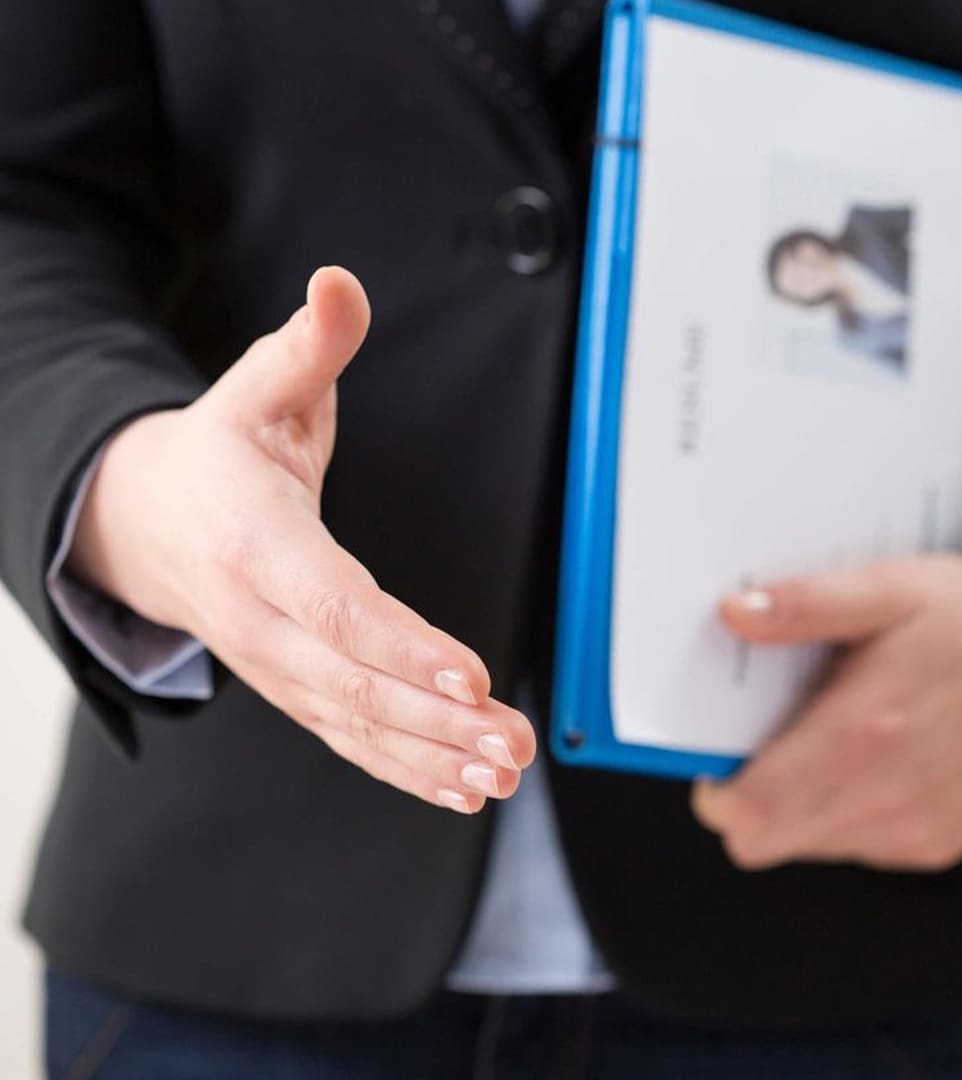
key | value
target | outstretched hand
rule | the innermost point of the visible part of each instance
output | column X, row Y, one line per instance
column 206, row 519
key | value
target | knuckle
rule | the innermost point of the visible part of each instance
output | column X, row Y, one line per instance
column 366, row 731
column 330, row 615
column 360, row 692
column 404, row 653
column 435, row 761
column 876, row 731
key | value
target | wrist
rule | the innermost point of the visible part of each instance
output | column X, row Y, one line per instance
column 111, row 549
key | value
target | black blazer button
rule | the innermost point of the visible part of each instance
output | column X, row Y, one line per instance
column 526, row 230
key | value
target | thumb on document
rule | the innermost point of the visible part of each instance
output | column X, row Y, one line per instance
column 844, row 606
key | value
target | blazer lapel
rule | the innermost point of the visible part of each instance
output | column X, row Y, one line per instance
column 567, row 26
column 478, row 37
column 480, row 40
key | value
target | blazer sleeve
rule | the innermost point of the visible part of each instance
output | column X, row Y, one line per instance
column 87, row 245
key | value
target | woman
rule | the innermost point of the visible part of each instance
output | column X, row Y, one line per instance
column 268, row 856
column 863, row 273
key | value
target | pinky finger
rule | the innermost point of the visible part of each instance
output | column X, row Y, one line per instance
column 389, row 771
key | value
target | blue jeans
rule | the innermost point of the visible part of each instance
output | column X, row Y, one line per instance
column 92, row 1034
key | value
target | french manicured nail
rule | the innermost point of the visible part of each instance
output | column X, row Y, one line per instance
column 495, row 749
column 453, row 800
column 481, row 778
column 454, row 685
column 756, row 602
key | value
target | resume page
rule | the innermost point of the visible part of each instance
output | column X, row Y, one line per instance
column 793, row 393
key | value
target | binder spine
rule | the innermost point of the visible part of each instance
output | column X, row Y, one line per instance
column 582, row 728
column 589, row 516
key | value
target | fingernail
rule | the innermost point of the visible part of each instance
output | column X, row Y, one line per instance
column 454, row 685
column 481, row 778
column 453, row 800
column 312, row 284
column 756, row 602
column 495, row 749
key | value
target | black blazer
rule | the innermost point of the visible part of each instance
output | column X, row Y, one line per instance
column 170, row 173
column 878, row 238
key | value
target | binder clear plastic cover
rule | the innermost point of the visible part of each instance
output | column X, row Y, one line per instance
column 769, row 371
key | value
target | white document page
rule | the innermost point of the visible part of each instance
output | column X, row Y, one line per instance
column 764, row 434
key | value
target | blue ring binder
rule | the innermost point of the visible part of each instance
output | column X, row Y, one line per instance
column 581, row 730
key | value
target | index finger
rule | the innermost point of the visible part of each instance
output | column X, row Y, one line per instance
column 299, row 569
column 844, row 606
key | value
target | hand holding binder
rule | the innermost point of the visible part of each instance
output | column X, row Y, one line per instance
column 869, row 771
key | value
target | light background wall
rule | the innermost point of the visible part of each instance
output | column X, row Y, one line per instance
column 35, row 696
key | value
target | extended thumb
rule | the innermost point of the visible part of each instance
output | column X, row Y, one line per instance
column 291, row 369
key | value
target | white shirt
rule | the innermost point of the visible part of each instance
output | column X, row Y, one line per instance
column 524, row 12
column 876, row 298
column 528, row 935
